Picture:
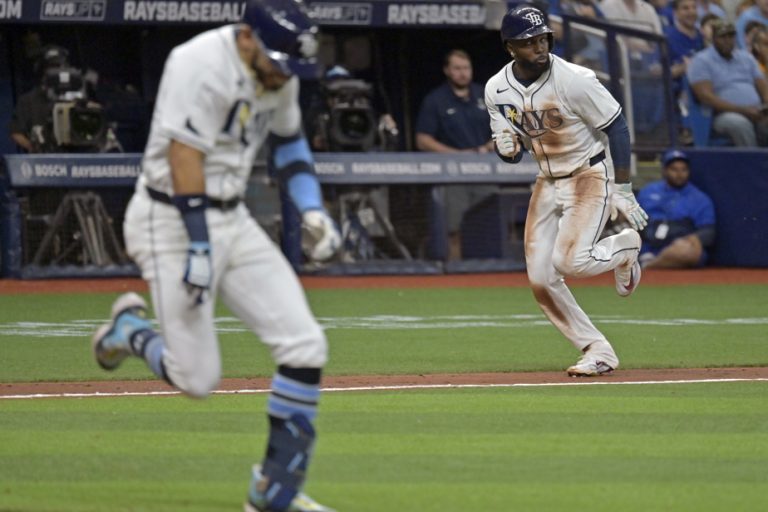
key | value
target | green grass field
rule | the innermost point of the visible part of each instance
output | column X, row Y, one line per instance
column 680, row 447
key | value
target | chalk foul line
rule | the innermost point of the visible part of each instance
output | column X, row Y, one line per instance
column 403, row 387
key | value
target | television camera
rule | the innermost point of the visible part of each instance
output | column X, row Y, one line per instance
column 350, row 122
column 76, row 124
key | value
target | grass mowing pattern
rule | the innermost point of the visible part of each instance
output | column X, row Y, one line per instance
column 519, row 347
column 693, row 447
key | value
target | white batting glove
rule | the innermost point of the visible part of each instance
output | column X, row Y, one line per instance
column 623, row 200
column 199, row 271
column 319, row 237
column 507, row 143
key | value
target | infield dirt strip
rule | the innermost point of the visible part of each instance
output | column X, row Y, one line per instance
column 372, row 382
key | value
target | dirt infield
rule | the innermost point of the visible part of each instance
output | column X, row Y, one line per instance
column 511, row 279
column 389, row 381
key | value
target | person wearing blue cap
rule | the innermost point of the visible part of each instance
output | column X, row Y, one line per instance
column 681, row 224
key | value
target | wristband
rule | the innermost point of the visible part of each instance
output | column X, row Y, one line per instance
column 192, row 208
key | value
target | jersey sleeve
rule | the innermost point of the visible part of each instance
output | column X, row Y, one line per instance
column 498, row 122
column 590, row 100
column 193, row 106
column 287, row 119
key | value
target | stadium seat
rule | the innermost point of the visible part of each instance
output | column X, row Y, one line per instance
column 699, row 121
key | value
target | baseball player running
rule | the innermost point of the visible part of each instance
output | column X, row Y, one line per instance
column 568, row 121
column 223, row 95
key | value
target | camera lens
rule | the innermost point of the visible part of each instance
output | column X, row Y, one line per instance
column 86, row 126
column 355, row 124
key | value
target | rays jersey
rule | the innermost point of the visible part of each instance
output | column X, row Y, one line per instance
column 559, row 116
column 217, row 106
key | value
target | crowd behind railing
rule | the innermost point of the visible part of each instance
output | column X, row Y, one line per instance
column 718, row 56
column 717, row 52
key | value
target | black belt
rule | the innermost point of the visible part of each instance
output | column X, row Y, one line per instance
column 219, row 204
column 597, row 158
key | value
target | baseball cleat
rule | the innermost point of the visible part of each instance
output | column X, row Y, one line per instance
column 628, row 276
column 635, row 273
column 589, row 369
column 599, row 359
column 257, row 502
column 111, row 343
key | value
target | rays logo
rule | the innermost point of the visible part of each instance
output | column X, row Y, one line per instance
column 511, row 114
column 535, row 18
column 535, row 123
column 307, row 45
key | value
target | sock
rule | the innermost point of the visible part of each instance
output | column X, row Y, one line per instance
column 149, row 345
column 294, row 391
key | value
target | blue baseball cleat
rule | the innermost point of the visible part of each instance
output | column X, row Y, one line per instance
column 112, row 341
column 258, row 502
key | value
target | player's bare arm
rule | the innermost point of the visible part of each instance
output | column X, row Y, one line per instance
column 186, row 168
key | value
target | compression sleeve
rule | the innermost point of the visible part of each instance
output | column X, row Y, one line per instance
column 294, row 168
column 618, row 141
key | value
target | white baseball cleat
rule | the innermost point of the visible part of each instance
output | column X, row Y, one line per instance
column 589, row 368
column 635, row 273
column 598, row 359
column 628, row 275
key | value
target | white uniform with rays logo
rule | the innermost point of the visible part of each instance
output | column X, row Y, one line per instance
column 215, row 105
column 559, row 118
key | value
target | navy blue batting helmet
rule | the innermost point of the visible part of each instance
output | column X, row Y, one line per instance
column 523, row 22
column 284, row 26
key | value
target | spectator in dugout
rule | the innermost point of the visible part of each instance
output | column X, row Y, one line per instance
column 453, row 119
column 705, row 27
column 634, row 14
column 728, row 80
column 588, row 50
column 684, row 40
column 758, row 12
column 681, row 218
column 760, row 49
column 703, row 8
column 749, row 33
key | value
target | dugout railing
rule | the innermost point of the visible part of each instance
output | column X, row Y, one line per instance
column 634, row 66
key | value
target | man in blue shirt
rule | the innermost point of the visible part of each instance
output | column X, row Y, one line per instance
column 683, row 38
column 681, row 222
column 728, row 80
column 453, row 119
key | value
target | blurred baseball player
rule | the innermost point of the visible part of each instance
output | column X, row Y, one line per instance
column 223, row 95
column 567, row 120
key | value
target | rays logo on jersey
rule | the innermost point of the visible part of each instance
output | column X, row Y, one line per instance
column 532, row 123
column 241, row 121
column 534, row 18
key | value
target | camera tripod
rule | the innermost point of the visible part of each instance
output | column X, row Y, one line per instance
column 359, row 214
column 93, row 235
